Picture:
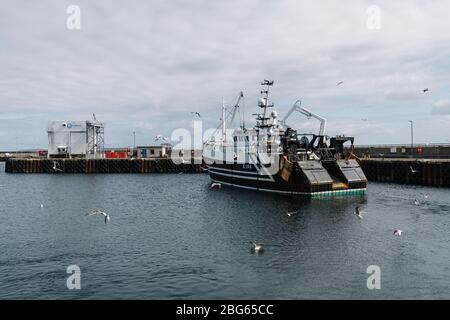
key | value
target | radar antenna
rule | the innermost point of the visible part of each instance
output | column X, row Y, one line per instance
column 264, row 103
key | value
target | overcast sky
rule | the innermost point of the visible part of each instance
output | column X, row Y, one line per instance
column 145, row 65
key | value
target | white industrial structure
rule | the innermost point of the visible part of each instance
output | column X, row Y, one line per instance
column 67, row 139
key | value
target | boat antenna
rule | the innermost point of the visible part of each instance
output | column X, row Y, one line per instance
column 224, row 129
column 264, row 101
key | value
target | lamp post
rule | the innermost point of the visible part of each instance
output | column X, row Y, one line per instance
column 412, row 136
column 134, row 139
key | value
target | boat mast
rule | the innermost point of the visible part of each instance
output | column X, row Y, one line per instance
column 243, row 111
column 264, row 103
column 224, row 128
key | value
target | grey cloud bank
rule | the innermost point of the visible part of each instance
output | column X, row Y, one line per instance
column 144, row 65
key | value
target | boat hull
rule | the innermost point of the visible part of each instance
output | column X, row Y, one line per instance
column 249, row 177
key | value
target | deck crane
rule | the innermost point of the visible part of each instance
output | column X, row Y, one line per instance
column 297, row 107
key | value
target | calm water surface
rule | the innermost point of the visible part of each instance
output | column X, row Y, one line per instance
column 172, row 238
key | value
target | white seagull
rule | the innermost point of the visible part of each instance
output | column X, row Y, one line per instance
column 196, row 113
column 55, row 167
column 290, row 213
column 215, row 184
column 42, row 205
column 397, row 232
column 257, row 247
column 426, row 195
column 159, row 137
column 94, row 212
column 416, row 202
column 413, row 170
column 358, row 212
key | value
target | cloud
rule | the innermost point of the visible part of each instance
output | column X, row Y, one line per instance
column 146, row 65
column 441, row 107
column 402, row 94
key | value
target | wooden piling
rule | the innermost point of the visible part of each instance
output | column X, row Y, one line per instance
column 408, row 171
column 163, row 165
column 424, row 172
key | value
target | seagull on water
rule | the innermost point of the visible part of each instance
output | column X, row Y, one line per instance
column 42, row 205
column 291, row 213
column 257, row 247
column 426, row 195
column 55, row 167
column 196, row 113
column 94, row 212
column 413, row 170
column 215, row 184
column 397, row 232
column 358, row 212
column 416, row 202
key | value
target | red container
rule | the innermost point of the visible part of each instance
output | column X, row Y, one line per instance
column 42, row 153
column 116, row 154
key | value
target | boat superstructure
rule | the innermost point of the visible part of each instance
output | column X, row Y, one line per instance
column 273, row 156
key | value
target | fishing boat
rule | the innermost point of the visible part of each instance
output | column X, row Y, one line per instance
column 274, row 156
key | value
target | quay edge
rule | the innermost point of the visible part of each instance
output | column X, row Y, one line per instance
column 426, row 172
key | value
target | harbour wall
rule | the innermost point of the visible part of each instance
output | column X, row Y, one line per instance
column 162, row 165
column 423, row 151
column 427, row 172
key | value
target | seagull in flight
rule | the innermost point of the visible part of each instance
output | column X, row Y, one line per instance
column 94, row 212
column 413, row 170
column 257, row 247
column 196, row 113
column 159, row 136
column 358, row 212
column 215, row 184
column 339, row 83
column 291, row 213
column 55, row 167
column 425, row 90
column 397, row 232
